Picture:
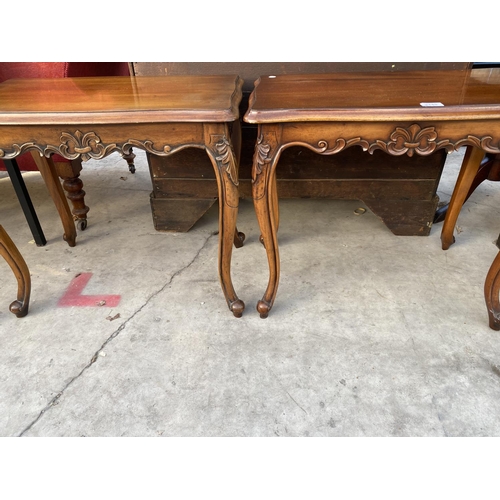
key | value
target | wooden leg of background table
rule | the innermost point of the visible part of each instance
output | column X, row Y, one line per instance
column 73, row 185
column 221, row 154
column 13, row 257
column 491, row 293
column 51, row 179
column 488, row 170
column 471, row 163
column 129, row 158
column 239, row 237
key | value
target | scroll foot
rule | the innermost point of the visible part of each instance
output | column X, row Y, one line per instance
column 263, row 308
column 494, row 322
column 20, row 309
column 13, row 257
column 237, row 307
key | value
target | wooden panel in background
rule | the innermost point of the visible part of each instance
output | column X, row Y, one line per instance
column 399, row 190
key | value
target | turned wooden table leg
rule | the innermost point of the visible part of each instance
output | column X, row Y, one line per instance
column 491, row 293
column 470, row 166
column 129, row 158
column 221, row 154
column 13, row 257
column 72, row 184
column 48, row 170
column 265, row 198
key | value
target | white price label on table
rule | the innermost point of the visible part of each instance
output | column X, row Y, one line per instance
column 431, row 104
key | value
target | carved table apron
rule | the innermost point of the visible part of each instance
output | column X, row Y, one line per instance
column 292, row 110
column 94, row 117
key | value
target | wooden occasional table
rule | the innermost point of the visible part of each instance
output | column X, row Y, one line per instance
column 400, row 113
column 90, row 118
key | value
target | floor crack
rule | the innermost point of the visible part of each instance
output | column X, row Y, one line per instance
column 284, row 389
column 55, row 400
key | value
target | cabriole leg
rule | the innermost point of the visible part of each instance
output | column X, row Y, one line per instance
column 265, row 198
column 220, row 151
column 13, row 257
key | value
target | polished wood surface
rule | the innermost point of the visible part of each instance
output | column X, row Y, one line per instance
column 120, row 100
column 402, row 96
column 408, row 113
column 13, row 257
column 90, row 118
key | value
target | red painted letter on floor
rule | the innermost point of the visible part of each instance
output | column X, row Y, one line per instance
column 74, row 297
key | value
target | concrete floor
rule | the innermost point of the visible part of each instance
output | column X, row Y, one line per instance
column 371, row 334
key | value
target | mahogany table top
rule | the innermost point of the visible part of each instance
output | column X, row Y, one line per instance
column 146, row 99
column 377, row 96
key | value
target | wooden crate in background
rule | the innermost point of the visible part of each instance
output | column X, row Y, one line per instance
column 400, row 190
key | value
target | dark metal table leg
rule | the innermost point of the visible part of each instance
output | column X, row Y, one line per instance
column 25, row 201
